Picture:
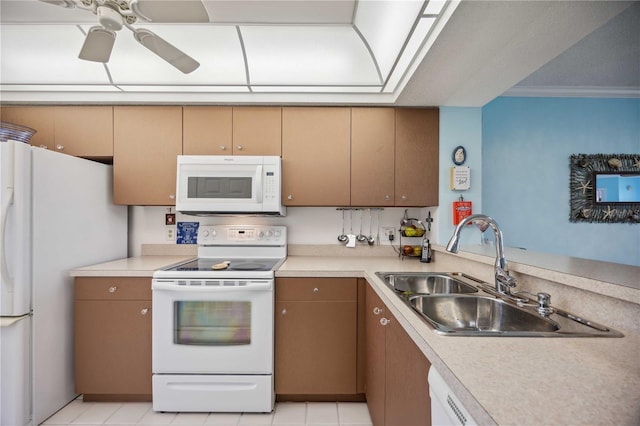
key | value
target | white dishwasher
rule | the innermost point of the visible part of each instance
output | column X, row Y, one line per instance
column 446, row 409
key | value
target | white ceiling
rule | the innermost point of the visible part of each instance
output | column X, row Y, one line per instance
column 484, row 50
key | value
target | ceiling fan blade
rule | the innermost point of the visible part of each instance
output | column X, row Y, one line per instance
column 98, row 45
column 166, row 50
column 64, row 3
column 170, row 11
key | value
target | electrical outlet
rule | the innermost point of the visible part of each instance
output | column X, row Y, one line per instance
column 170, row 233
column 390, row 233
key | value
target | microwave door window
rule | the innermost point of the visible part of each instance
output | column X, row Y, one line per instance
column 212, row 323
column 207, row 187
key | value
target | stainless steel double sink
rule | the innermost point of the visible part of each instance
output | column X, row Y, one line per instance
column 455, row 304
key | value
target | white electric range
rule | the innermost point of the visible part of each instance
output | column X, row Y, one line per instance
column 213, row 322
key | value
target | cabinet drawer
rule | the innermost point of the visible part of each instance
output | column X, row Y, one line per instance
column 112, row 288
column 316, row 289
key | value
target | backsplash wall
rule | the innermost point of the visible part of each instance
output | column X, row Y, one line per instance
column 305, row 225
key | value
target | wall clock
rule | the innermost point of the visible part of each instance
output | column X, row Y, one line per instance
column 459, row 155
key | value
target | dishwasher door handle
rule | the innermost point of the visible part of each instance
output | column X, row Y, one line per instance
column 210, row 286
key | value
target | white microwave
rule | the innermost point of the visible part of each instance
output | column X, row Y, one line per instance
column 217, row 184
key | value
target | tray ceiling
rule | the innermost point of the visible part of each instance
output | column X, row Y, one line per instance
column 403, row 52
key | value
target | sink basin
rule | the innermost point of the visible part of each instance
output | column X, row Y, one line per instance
column 427, row 283
column 475, row 315
column 478, row 315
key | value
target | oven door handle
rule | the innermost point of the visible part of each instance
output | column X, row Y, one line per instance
column 171, row 286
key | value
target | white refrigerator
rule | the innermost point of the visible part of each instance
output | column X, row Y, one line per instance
column 57, row 215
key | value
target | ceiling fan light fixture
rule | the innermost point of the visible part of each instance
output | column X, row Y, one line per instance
column 109, row 18
column 98, row 45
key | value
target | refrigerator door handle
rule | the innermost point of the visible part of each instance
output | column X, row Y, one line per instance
column 8, row 201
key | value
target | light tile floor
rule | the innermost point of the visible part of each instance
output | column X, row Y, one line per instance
column 79, row 413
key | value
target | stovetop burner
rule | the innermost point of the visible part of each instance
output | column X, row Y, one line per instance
column 206, row 265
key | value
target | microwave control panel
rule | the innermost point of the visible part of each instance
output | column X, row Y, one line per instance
column 271, row 184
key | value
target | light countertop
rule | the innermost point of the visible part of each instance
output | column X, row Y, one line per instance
column 515, row 380
column 523, row 381
column 142, row 266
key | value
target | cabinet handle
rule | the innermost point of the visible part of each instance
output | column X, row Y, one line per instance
column 315, row 290
column 44, row 147
column 289, row 197
column 144, row 311
column 284, row 312
column 377, row 311
column 404, row 198
column 239, row 147
column 60, row 147
column 172, row 196
column 222, row 147
column 113, row 289
column 387, row 197
column 384, row 321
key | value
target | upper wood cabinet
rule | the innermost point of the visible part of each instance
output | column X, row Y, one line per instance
column 39, row 118
column 372, row 156
column 232, row 131
column 147, row 141
column 81, row 131
column 417, row 140
column 316, row 156
column 207, row 130
column 84, row 131
column 257, row 131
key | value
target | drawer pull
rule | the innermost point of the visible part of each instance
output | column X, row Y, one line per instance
column 284, row 312
column 384, row 321
column 113, row 289
column 315, row 290
column 377, row 311
column 144, row 311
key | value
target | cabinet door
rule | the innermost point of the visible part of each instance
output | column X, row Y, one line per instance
column 417, row 139
column 257, row 131
column 85, row 131
column 372, row 156
column 315, row 348
column 39, row 118
column 375, row 336
column 407, row 390
column 147, row 141
column 112, row 347
column 316, row 156
column 315, row 336
column 207, row 130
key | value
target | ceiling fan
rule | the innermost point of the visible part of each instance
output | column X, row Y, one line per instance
column 114, row 14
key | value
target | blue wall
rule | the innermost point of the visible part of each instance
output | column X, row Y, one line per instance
column 526, row 144
column 459, row 126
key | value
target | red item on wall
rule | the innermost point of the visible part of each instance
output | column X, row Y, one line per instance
column 461, row 209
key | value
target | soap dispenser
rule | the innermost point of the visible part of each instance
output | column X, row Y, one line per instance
column 426, row 251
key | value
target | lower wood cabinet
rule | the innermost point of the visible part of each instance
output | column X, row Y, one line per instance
column 316, row 346
column 112, row 333
column 396, row 370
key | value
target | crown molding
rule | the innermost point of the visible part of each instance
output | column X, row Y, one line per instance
column 573, row 92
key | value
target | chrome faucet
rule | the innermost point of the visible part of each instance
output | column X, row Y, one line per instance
column 504, row 281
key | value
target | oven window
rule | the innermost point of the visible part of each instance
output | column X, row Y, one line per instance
column 219, row 187
column 212, row 323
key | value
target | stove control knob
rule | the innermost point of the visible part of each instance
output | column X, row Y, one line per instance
column 260, row 235
column 277, row 233
column 269, row 234
column 205, row 233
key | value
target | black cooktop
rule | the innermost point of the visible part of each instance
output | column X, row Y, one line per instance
column 206, row 264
